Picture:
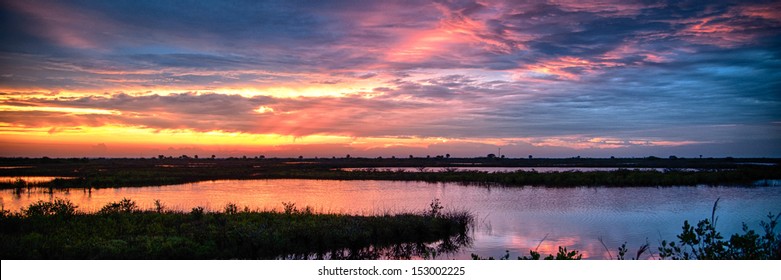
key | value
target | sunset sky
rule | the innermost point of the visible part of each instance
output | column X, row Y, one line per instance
column 390, row 78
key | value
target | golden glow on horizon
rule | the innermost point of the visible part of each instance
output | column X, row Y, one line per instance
column 135, row 135
column 58, row 109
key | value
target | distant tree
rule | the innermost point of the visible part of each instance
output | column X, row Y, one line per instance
column 428, row 156
column 300, row 157
column 262, row 157
column 213, row 156
column 612, row 157
column 393, row 157
column 410, row 156
column 447, row 155
column 160, row 156
column 491, row 156
column 195, row 156
column 348, row 156
column 530, row 156
column 673, row 157
column 502, row 156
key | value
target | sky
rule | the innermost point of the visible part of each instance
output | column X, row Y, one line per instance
column 390, row 78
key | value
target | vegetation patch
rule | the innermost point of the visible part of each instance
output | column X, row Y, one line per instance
column 111, row 173
column 56, row 230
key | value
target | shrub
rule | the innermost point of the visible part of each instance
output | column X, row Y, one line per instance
column 59, row 207
column 197, row 212
column 123, row 206
column 703, row 242
column 231, row 209
column 159, row 207
column 435, row 209
column 289, row 207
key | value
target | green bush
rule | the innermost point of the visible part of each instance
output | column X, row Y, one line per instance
column 704, row 242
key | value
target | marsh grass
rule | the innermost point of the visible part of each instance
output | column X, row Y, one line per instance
column 57, row 230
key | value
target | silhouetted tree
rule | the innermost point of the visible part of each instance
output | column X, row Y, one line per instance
column 213, row 156
column 491, row 156
column 447, row 155
column 530, row 157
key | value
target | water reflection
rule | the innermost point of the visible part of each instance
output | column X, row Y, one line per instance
column 442, row 249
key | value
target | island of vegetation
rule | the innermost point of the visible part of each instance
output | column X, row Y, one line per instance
column 650, row 171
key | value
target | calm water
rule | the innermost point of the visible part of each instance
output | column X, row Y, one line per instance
column 514, row 219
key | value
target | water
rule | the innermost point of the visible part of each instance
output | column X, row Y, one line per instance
column 515, row 219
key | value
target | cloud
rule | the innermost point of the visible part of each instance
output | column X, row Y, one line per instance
column 545, row 71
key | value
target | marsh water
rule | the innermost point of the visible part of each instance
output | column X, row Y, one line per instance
column 515, row 219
